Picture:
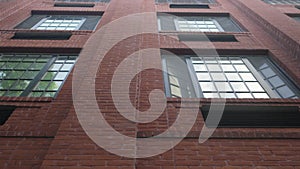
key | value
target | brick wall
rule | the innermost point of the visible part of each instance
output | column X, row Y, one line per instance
column 45, row 133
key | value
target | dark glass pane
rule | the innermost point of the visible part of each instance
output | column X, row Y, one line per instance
column 10, row 65
column 13, row 93
column 21, row 85
column 285, row 92
column 24, row 65
column 3, row 74
column 6, row 84
column 14, row 74
column 29, row 74
column 37, row 66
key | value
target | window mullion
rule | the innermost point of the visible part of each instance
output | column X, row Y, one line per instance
column 39, row 23
column 218, row 25
column 166, row 77
column 194, row 78
column 81, row 23
column 38, row 77
column 176, row 24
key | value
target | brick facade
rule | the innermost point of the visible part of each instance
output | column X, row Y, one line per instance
column 45, row 132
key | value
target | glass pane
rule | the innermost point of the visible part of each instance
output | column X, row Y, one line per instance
column 244, row 95
column 37, row 66
column 247, row 77
column 218, row 76
column 21, row 84
column 211, row 95
column 213, row 67
column 36, row 94
column 276, row 81
column 54, row 85
column 175, row 91
column 235, row 60
column 61, row 75
column 260, row 95
column 3, row 74
column 254, row 87
column 42, row 85
column 2, row 93
column 200, row 67
column 30, row 74
column 203, row 77
column 241, row 68
column 23, row 65
column 7, row 84
column 227, row 95
column 285, row 92
column 239, row 87
column 14, row 74
column 49, row 76
column 1, row 64
column 173, row 80
column 10, row 65
column 55, row 67
column 223, row 86
column 268, row 72
column 233, row 77
column 207, row 86
column 49, row 94
column 67, row 67
column 228, row 68
column 13, row 93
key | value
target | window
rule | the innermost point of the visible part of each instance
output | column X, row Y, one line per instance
column 210, row 38
column 297, row 18
column 275, row 2
column 60, row 22
column 89, row 5
column 189, row 6
column 34, row 75
column 186, row 1
column 255, row 116
column 43, row 35
column 197, row 24
column 226, row 77
column 83, row 0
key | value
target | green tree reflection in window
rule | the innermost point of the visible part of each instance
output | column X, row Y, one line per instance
column 34, row 75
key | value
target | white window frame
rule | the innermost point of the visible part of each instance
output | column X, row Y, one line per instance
column 219, row 27
column 49, row 17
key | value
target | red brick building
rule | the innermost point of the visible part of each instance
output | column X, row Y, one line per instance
column 254, row 64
